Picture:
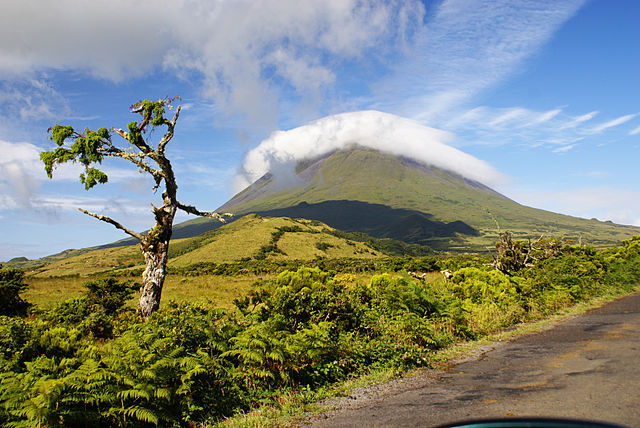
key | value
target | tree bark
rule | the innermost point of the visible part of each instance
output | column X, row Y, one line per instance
column 153, row 278
column 155, row 249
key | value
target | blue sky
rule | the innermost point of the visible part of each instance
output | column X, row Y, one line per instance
column 539, row 99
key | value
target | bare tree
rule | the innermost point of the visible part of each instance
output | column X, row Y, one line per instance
column 514, row 255
column 90, row 147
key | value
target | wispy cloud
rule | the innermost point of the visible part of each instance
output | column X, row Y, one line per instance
column 564, row 149
column 467, row 47
column 30, row 100
column 612, row 123
column 22, row 174
column 579, row 120
column 17, row 179
column 546, row 116
column 635, row 131
column 128, row 208
column 245, row 54
column 554, row 128
column 595, row 174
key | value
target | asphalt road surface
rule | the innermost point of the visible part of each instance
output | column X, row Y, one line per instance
column 586, row 367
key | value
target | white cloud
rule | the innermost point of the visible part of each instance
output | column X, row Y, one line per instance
column 579, row 120
column 241, row 50
column 546, row 116
column 373, row 129
column 124, row 207
column 612, row 123
column 519, row 125
column 509, row 116
column 29, row 99
column 596, row 174
column 17, row 181
column 564, row 149
column 635, row 131
column 497, row 119
column 22, row 173
column 110, row 39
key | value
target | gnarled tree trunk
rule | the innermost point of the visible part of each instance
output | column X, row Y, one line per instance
column 155, row 249
column 153, row 278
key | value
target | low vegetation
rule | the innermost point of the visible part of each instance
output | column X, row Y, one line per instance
column 91, row 360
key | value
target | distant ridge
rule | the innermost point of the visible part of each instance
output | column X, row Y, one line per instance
column 250, row 237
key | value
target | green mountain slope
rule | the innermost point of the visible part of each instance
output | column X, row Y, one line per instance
column 412, row 202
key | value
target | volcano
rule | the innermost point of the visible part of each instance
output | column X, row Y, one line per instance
column 386, row 196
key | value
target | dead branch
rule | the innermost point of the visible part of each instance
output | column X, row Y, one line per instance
column 113, row 222
column 193, row 210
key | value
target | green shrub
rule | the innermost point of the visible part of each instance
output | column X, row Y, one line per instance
column 95, row 312
column 11, row 285
column 579, row 272
column 489, row 299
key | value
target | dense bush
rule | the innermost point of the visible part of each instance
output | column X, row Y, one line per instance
column 11, row 285
column 339, row 265
column 95, row 311
column 90, row 361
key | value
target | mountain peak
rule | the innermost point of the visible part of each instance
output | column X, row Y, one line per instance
column 390, row 196
column 391, row 134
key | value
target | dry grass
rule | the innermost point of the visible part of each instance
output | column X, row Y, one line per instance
column 96, row 261
column 47, row 292
column 219, row 291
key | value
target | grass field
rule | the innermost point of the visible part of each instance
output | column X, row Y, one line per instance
column 219, row 291
column 215, row 290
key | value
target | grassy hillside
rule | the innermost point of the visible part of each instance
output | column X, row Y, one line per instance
column 246, row 237
column 251, row 236
column 24, row 263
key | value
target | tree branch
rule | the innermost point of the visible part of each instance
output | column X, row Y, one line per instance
column 121, row 133
column 113, row 222
column 193, row 210
column 169, row 134
column 141, row 145
column 136, row 160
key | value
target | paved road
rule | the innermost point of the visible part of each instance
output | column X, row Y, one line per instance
column 586, row 367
